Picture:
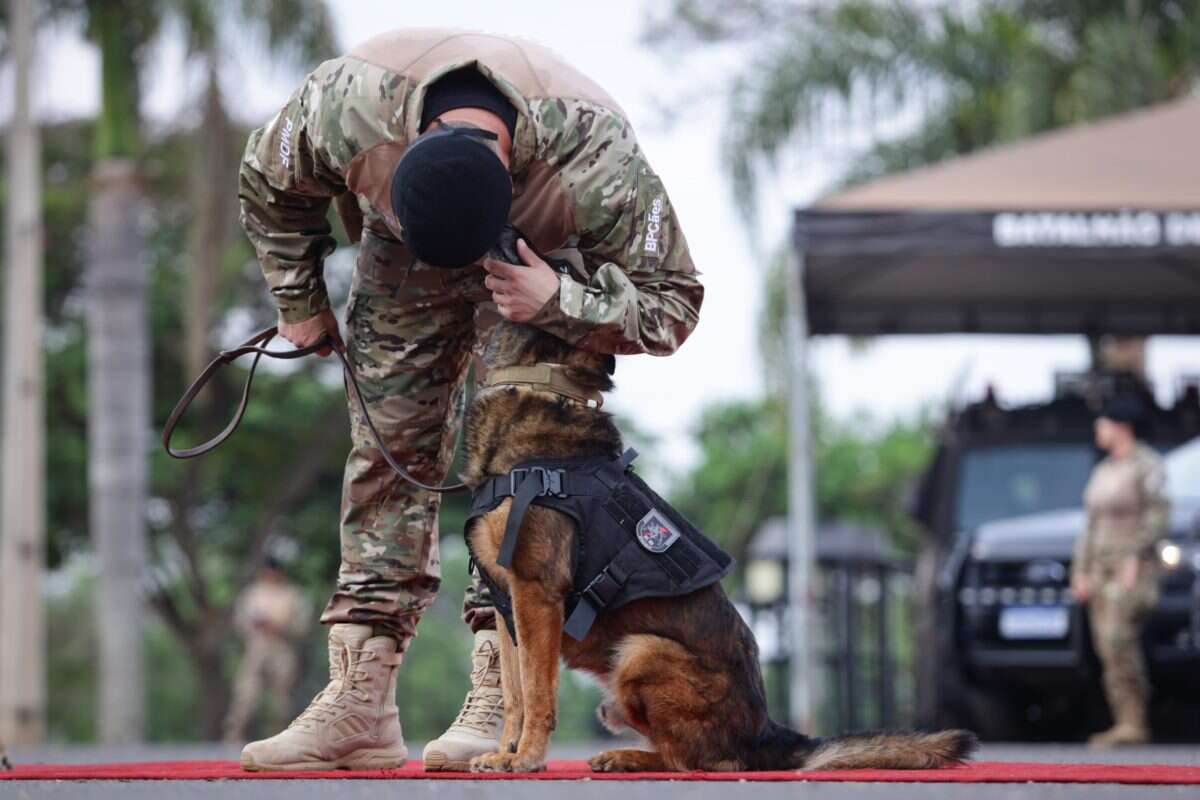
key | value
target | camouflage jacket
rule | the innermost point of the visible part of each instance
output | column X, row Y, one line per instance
column 1127, row 510
column 582, row 188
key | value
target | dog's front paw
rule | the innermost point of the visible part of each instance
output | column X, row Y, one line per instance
column 507, row 762
column 627, row 761
column 604, row 763
column 492, row 762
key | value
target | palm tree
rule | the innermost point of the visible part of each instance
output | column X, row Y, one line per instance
column 932, row 79
column 118, row 341
column 118, row 363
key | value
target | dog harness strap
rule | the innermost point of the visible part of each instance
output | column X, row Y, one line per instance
column 546, row 378
column 530, row 488
column 603, row 590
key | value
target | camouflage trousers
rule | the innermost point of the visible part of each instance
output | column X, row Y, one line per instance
column 411, row 332
column 266, row 659
column 1116, row 616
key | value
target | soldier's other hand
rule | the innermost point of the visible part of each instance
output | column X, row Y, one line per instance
column 1129, row 573
column 1080, row 588
column 313, row 330
column 520, row 292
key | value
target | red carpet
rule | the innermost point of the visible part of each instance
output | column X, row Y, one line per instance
column 980, row 772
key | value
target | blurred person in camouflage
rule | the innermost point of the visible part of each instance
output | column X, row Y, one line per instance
column 429, row 142
column 1115, row 564
column 272, row 616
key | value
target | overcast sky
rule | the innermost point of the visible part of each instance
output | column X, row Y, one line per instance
column 894, row 376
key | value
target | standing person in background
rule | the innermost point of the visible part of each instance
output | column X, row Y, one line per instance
column 272, row 617
column 1115, row 566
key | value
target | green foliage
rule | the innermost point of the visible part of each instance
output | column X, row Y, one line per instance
column 70, row 667
column 121, row 30
column 741, row 478
column 867, row 470
column 864, row 470
column 299, row 32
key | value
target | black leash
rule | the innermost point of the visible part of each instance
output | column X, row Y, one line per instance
column 256, row 345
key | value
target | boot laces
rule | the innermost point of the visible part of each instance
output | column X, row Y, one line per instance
column 484, row 703
column 350, row 680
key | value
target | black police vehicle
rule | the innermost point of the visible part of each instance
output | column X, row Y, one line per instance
column 1003, row 647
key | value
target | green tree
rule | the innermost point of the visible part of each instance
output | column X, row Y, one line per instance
column 864, row 470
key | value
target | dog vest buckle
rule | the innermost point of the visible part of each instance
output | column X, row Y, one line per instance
column 552, row 480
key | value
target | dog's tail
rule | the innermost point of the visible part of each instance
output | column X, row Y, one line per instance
column 782, row 748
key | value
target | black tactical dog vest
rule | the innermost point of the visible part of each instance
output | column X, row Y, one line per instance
column 629, row 542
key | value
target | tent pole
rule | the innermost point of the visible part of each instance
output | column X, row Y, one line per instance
column 801, row 517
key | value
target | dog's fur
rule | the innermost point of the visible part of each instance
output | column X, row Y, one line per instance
column 681, row 671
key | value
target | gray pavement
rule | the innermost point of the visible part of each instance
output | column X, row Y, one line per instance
column 583, row 790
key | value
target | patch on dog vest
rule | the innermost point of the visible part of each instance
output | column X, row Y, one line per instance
column 655, row 532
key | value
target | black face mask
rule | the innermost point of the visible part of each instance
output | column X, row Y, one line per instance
column 442, row 131
column 451, row 194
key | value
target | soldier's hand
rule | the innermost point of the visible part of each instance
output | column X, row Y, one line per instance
column 520, row 292
column 1080, row 588
column 313, row 330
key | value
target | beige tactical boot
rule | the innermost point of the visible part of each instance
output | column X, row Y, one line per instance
column 477, row 729
column 1119, row 734
column 353, row 723
column 1130, row 727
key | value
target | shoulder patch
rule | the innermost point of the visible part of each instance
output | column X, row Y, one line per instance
column 655, row 532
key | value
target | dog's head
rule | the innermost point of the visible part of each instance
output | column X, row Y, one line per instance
column 515, row 344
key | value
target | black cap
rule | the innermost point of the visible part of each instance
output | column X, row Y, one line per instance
column 466, row 88
column 1124, row 407
column 452, row 195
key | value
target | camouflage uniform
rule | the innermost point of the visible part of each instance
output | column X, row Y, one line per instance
column 1126, row 517
column 582, row 191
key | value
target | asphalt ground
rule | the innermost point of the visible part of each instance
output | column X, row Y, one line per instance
column 582, row 790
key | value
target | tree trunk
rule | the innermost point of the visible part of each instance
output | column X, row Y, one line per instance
column 23, row 538
column 118, row 441
column 213, row 686
column 209, row 231
column 118, row 377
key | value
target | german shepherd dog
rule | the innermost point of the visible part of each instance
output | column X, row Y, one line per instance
column 681, row 671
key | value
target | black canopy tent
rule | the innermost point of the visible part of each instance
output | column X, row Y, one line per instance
column 1092, row 229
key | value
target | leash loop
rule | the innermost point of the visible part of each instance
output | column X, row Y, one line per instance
column 256, row 345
